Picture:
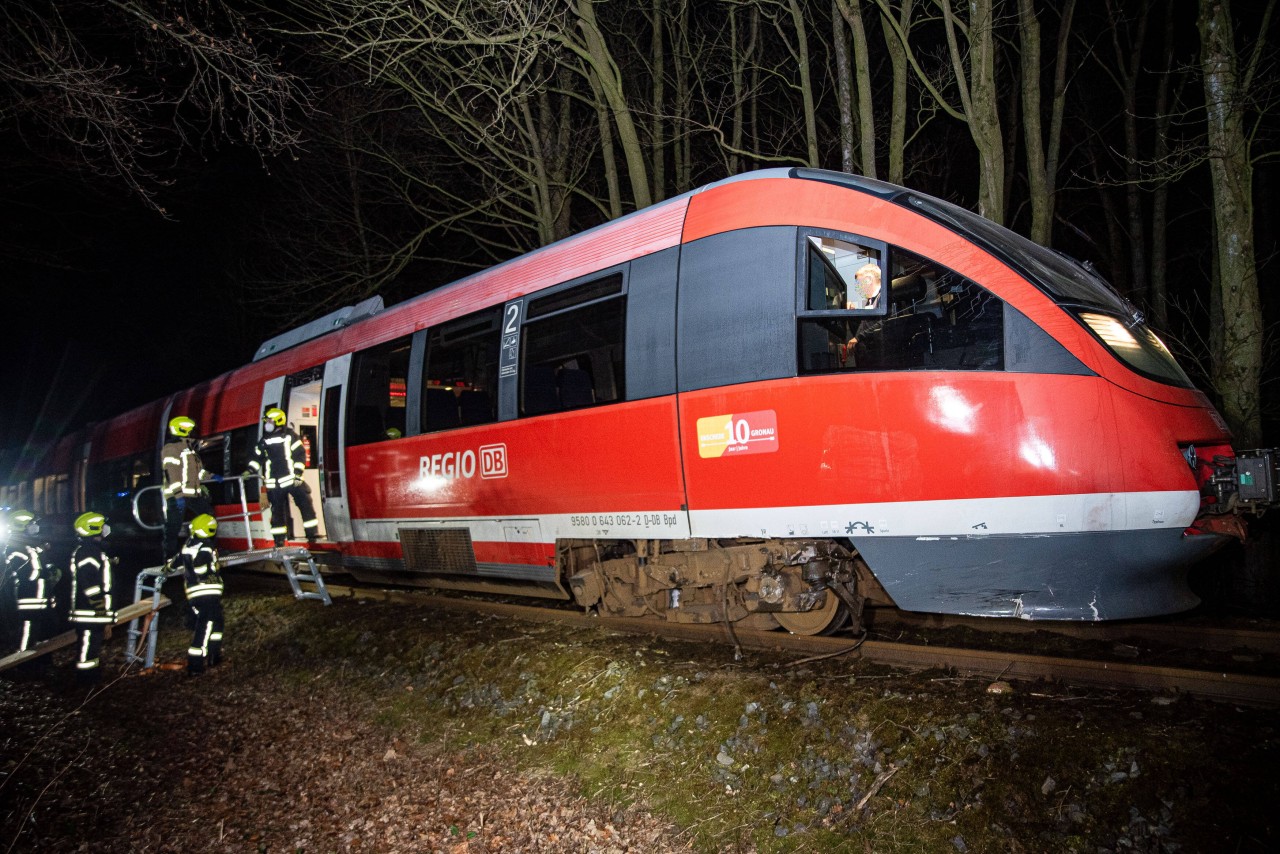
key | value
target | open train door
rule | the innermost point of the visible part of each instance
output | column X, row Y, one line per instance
column 333, row 478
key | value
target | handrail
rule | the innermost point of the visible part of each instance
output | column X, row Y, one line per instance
column 164, row 509
column 244, row 514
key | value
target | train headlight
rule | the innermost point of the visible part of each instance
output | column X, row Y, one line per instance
column 1111, row 331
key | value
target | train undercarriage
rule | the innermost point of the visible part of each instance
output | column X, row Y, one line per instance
column 807, row 587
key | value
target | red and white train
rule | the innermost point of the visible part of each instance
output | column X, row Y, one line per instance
column 699, row 411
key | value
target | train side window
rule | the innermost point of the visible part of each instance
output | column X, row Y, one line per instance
column 572, row 353
column 377, row 393
column 460, row 380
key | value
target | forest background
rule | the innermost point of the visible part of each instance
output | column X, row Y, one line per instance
column 233, row 168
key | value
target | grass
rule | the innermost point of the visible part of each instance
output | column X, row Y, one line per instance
column 762, row 755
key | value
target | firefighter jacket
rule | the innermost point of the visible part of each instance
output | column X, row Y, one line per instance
column 280, row 458
column 183, row 470
column 91, row 598
column 200, row 570
column 33, row 579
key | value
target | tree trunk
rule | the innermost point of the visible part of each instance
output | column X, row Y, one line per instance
column 1237, row 367
column 980, row 99
column 1037, row 180
column 898, row 99
column 1159, row 301
column 862, row 62
column 844, row 84
column 606, row 74
column 806, row 81
column 657, row 133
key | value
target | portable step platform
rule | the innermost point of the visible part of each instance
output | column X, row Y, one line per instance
column 291, row 558
column 299, row 567
column 147, row 623
column 67, row 639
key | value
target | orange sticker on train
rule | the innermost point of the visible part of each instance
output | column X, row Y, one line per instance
column 734, row 435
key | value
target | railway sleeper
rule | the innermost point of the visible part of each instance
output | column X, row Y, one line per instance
column 805, row 586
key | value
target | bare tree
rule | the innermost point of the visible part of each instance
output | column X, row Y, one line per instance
column 123, row 85
column 1042, row 153
column 973, row 78
column 1237, row 367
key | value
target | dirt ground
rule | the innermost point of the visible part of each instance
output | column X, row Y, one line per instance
column 375, row 727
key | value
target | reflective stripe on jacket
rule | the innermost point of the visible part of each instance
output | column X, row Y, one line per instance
column 280, row 458
column 200, row 569
column 33, row 586
column 91, row 598
column 183, row 470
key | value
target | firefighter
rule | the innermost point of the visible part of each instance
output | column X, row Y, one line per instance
column 279, row 459
column 200, row 573
column 92, row 603
column 34, row 580
column 185, row 495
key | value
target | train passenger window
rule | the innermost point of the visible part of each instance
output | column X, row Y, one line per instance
column 377, row 393
column 572, row 348
column 460, row 380
column 936, row 320
column 62, row 494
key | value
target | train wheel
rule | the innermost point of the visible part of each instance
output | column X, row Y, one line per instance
column 826, row 619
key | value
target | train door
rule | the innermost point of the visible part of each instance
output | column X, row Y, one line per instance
column 299, row 396
column 337, row 512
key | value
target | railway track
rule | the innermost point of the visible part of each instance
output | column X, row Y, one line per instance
column 1219, row 685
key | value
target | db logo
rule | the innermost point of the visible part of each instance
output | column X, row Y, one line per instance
column 493, row 461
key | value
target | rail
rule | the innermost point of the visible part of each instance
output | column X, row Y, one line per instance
column 992, row 664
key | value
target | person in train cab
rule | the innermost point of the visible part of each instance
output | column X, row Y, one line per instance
column 34, row 580
column 279, row 459
column 868, row 278
column 203, row 581
column 92, row 602
column 185, row 496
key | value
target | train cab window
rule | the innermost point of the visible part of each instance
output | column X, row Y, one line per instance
column 572, row 348
column 842, row 275
column 841, row 281
column 932, row 319
column 460, row 380
column 377, row 396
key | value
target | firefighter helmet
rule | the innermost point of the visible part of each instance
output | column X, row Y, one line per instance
column 91, row 524
column 204, row 526
column 276, row 416
column 20, row 520
column 393, row 433
column 181, row 426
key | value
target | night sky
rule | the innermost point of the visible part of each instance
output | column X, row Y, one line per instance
column 112, row 304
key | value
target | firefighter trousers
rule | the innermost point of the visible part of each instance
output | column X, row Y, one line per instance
column 279, row 496
column 206, row 638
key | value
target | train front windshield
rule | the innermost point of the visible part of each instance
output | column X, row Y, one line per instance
column 1077, row 288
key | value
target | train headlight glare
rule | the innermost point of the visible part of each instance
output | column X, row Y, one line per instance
column 1111, row 331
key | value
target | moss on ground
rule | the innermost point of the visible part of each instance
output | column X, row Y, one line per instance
column 762, row 754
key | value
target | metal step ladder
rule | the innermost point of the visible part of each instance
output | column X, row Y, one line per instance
column 149, row 581
column 299, row 567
